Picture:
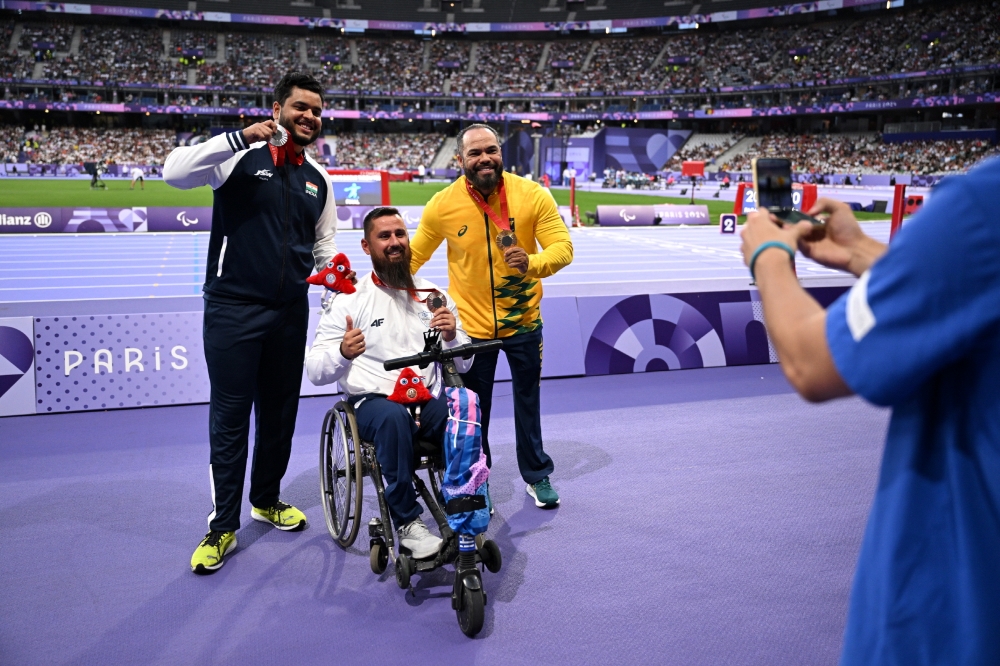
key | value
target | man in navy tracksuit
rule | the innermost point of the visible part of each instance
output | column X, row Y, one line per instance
column 273, row 219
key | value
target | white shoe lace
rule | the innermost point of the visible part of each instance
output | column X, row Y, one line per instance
column 414, row 530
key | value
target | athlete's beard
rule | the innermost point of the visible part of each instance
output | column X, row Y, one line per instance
column 485, row 181
column 395, row 272
column 293, row 129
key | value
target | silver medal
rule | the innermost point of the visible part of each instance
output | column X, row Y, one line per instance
column 279, row 138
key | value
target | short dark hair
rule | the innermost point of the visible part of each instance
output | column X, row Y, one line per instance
column 283, row 90
column 461, row 135
column 375, row 213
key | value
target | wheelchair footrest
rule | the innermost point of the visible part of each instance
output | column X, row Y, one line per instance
column 465, row 504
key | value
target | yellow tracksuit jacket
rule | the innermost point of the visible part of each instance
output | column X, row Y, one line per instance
column 494, row 300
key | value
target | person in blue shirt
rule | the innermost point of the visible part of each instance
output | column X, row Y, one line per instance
column 919, row 332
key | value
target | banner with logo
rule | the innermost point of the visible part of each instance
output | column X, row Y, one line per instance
column 637, row 216
column 650, row 332
column 89, row 362
column 17, row 368
column 110, row 220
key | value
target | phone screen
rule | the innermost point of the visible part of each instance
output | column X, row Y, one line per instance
column 773, row 180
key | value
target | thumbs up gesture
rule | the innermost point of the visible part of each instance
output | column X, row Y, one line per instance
column 353, row 344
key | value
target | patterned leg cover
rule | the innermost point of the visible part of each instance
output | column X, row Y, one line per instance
column 466, row 473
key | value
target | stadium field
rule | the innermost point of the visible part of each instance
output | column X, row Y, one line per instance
column 51, row 192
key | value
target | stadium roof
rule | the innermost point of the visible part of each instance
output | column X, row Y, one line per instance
column 470, row 11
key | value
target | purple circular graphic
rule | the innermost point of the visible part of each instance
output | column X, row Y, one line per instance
column 15, row 347
column 652, row 332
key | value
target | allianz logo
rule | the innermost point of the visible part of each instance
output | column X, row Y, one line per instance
column 103, row 359
column 41, row 220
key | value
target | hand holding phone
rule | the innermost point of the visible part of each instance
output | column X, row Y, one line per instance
column 772, row 184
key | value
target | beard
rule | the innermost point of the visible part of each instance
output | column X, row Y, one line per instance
column 293, row 132
column 485, row 181
column 394, row 271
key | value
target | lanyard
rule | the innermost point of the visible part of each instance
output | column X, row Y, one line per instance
column 502, row 222
column 286, row 153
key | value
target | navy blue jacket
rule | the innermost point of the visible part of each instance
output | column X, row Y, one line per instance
column 270, row 225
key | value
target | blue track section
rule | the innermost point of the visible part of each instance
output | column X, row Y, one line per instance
column 67, row 267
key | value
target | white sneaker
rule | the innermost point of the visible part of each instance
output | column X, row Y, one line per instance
column 415, row 537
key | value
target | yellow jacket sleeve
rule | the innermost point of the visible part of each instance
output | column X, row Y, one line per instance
column 552, row 235
column 427, row 237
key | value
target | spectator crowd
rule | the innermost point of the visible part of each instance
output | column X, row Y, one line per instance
column 75, row 145
column 390, row 152
column 865, row 153
column 918, row 40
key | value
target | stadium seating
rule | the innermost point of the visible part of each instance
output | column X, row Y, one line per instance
column 967, row 34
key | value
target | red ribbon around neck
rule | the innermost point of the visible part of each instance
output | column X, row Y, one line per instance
column 286, row 153
column 503, row 221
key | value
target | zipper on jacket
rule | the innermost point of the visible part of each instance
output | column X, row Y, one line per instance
column 493, row 291
column 222, row 255
column 284, row 231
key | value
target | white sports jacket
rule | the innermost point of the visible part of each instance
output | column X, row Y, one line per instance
column 393, row 325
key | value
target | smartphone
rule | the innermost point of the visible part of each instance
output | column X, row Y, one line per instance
column 772, row 185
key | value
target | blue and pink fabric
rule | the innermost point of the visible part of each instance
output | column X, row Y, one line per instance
column 466, row 472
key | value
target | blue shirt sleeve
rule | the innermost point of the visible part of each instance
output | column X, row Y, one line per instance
column 929, row 299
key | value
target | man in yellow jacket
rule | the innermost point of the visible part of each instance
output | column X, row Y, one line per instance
column 493, row 223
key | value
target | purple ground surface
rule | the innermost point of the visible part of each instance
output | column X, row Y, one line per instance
column 708, row 517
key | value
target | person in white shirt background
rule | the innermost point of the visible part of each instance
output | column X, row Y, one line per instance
column 137, row 175
column 384, row 319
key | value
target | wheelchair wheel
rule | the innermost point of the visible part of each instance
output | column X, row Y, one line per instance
column 470, row 615
column 340, row 474
column 378, row 557
column 489, row 553
column 403, row 572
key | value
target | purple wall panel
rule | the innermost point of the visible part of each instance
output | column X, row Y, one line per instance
column 623, row 335
column 98, row 220
column 118, row 361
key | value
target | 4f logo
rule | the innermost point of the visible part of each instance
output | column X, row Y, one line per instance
column 378, row 322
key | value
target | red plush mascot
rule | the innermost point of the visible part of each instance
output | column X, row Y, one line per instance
column 410, row 389
column 334, row 276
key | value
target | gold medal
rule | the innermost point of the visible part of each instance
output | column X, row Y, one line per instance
column 435, row 301
column 506, row 239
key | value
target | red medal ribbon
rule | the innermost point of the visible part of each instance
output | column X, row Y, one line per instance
column 286, row 153
column 502, row 222
column 378, row 283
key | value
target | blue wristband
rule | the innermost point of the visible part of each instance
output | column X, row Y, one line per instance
column 764, row 246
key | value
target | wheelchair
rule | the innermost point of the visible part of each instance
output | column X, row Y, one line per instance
column 345, row 460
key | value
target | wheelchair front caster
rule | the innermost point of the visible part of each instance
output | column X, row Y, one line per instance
column 489, row 553
column 378, row 556
column 404, row 569
column 470, row 611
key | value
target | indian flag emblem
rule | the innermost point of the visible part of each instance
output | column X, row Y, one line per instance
column 311, row 189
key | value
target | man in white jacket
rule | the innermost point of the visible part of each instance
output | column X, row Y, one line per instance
column 384, row 319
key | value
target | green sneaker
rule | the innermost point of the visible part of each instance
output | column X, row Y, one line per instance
column 543, row 493
column 283, row 516
column 211, row 553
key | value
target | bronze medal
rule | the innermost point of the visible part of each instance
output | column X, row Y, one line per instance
column 506, row 239
column 435, row 301
column 411, row 393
